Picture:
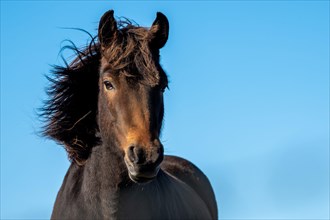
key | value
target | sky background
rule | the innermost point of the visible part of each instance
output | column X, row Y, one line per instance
column 248, row 100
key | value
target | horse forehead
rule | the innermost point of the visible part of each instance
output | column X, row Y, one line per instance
column 148, row 78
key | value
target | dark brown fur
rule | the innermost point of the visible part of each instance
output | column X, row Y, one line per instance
column 106, row 108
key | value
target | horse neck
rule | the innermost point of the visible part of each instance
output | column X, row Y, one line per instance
column 106, row 166
column 104, row 172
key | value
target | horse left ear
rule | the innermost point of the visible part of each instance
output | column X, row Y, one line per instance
column 159, row 31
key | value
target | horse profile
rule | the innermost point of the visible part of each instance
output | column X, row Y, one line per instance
column 106, row 108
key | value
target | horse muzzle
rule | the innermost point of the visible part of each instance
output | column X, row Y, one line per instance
column 143, row 165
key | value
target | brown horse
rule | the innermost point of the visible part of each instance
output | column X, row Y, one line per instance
column 106, row 107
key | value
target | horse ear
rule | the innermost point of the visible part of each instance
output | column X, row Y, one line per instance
column 107, row 28
column 159, row 31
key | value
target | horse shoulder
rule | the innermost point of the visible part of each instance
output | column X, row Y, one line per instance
column 191, row 175
column 69, row 200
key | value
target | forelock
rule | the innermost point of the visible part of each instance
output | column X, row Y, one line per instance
column 130, row 53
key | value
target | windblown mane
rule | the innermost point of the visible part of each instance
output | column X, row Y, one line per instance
column 70, row 113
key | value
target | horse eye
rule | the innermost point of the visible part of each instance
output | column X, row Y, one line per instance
column 108, row 85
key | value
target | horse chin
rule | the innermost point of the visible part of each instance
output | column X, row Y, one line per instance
column 141, row 179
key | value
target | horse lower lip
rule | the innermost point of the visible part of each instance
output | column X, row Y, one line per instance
column 141, row 173
column 141, row 177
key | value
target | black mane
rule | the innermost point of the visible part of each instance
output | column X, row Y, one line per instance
column 70, row 112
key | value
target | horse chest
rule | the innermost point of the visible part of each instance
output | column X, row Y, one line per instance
column 165, row 200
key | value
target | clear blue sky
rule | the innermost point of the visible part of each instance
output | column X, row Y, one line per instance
column 248, row 100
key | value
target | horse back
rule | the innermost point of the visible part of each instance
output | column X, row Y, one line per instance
column 191, row 175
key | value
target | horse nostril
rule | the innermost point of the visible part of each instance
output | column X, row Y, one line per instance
column 136, row 155
column 157, row 155
column 130, row 154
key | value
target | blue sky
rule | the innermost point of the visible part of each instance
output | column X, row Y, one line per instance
column 248, row 100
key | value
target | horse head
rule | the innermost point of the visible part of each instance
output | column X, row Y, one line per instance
column 131, row 87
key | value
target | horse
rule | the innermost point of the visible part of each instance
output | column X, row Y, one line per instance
column 106, row 108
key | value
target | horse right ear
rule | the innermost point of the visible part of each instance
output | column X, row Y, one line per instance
column 107, row 28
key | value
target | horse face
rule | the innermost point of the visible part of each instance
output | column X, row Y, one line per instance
column 131, row 87
column 133, row 114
